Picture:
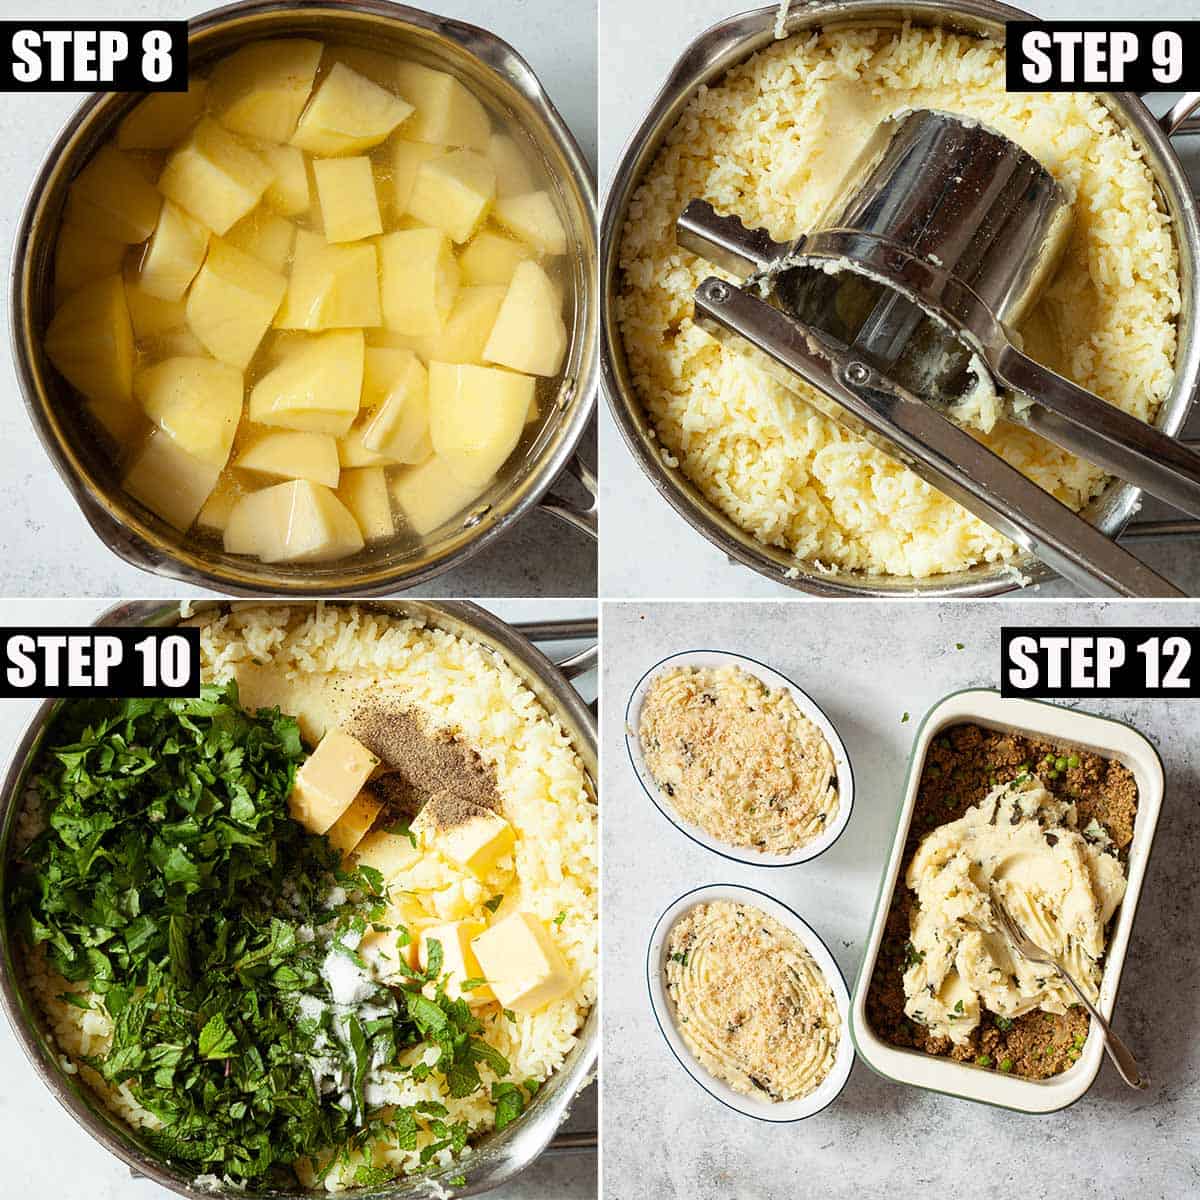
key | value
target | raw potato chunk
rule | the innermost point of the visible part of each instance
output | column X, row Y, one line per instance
column 533, row 219
column 352, row 453
column 151, row 317
column 90, row 340
column 311, row 456
column 174, row 255
column 162, row 118
column 169, row 481
column 492, row 258
column 350, row 828
column 400, row 421
column 476, row 415
column 419, row 280
column 331, row 287
column 407, row 158
column 529, row 334
column 265, row 236
column 316, row 388
column 348, row 114
column 288, row 193
column 174, row 343
column 465, row 334
column 349, row 207
column 329, row 780
column 122, row 420
column 214, row 515
column 261, row 89
column 113, row 198
column 364, row 492
column 453, row 193
column 513, row 176
column 232, row 302
column 81, row 256
column 522, row 964
column 292, row 522
column 214, row 177
column 447, row 114
column 430, row 494
column 196, row 402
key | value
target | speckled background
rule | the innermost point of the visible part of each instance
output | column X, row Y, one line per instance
column 867, row 665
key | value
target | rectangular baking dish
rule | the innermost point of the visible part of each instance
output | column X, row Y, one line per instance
column 1101, row 735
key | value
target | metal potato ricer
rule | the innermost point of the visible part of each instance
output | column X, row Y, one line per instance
column 896, row 311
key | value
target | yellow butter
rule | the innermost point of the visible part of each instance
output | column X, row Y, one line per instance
column 523, row 966
column 329, row 780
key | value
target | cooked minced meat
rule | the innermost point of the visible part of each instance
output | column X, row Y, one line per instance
column 963, row 765
column 738, row 758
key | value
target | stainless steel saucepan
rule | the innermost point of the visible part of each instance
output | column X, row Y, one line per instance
column 498, row 1157
column 498, row 74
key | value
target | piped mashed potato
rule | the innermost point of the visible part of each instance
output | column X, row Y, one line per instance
column 1061, row 887
column 770, row 142
column 750, row 1002
column 738, row 758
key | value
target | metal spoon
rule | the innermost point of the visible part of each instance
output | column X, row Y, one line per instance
column 1122, row 1059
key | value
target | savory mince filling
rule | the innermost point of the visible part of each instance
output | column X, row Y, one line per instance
column 738, row 758
column 750, row 1002
column 1049, row 828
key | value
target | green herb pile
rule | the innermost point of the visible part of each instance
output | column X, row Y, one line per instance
column 172, row 883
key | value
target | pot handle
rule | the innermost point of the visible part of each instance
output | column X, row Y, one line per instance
column 1180, row 119
column 573, row 665
column 586, row 519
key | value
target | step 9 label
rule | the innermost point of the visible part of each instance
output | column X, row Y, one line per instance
column 69, row 661
column 1100, row 56
column 75, row 56
column 1124, row 662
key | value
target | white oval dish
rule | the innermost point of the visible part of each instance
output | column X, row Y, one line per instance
column 804, row 702
column 781, row 1112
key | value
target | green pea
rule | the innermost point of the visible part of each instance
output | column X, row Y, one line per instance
column 1060, row 764
column 984, row 1060
column 1073, row 761
column 1006, row 1064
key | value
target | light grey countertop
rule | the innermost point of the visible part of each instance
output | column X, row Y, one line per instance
column 665, row 1137
column 648, row 549
column 47, row 1155
column 46, row 546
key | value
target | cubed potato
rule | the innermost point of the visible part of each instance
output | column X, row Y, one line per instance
column 376, row 65
column 196, row 402
column 365, row 493
column 459, row 964
column 418, row 280
column 534, row 219
column 346, row 189
column 476, row 415
column 316, row 388
column 214, row 516
column 291, row 455
column 296, row 521
column 261, row 89
column 399, row 420
column 174, row 255
column 161, row 119
column 407, row 158
column 447, row 113
column 465, row 334
column 288, row 193
column 430, row 494
column 385, row 949
column 112, row 197
column 331, row 287
column 351, row 827
column 529, row 334
column 232, row 302
column 90, row 340
column 352, row 453
column 511, row 164
column 388, row 853
column 453, row 192
column 122, row 420
column 151, row 317
column 169, row 481
column 173, row 343
column 492, row 258
column 348, row 114
column 329, row 780
column 215, row 177
column 264, row 235
column 80, row 256
column 521, row 962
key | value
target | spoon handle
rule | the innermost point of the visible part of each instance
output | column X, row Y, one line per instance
column 1116, row 1049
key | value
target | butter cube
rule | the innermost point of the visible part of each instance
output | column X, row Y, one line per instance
column 430, row 494
column 162, row 118
column 407, row 158
column 317, row 386
column 447, row 113
column 389, row 853
column 330, row 779
column 331, row 287
column 459, row 963
column 419, row 280
column 113, row 198
column 232, row 303
column 365, row 493
column 534, row 219
column 492, row 258
column 261, row 89
column 177, row 248
column 349, row 206
column 453, row 193
column 351, row 827
column 169, row 481
column 467, row 834
column 521, row 963
column 348, row 114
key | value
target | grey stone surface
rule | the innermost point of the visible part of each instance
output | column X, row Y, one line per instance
column 867, row 665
